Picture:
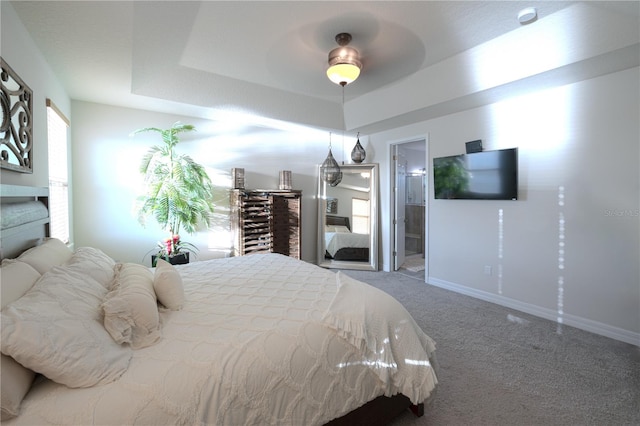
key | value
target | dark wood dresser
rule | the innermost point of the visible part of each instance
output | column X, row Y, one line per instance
column 266, row 221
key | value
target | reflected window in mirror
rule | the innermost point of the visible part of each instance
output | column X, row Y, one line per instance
column 360, row 212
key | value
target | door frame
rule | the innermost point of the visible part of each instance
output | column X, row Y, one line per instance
column 392, row 186
column 399, row 222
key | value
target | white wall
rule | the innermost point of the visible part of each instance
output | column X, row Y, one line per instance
column 569, row 248
column 106, row 178
column 22, row 55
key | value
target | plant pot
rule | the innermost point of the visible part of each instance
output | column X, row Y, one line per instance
column 175, row 259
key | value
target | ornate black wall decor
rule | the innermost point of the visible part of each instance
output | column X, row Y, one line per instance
column 16, row 130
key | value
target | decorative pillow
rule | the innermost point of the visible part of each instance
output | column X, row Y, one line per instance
column 52, row 252
column 167, row 284
column 56, row 329
column 16, row 278
column 15, row 381
column 95, row 263
column 131, row 308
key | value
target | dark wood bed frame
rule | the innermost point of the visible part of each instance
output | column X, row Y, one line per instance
column 14, row 241
column 338, row 221
column 378, row 412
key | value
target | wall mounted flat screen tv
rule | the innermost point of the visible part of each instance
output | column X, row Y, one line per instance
column 486, row 175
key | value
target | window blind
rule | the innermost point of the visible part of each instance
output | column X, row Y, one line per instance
column 58, row 141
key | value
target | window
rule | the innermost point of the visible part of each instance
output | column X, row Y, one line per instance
column 58, row 137
column 360, row 216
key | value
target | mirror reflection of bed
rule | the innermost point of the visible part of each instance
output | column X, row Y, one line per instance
column 343, row 244
column 348, row 219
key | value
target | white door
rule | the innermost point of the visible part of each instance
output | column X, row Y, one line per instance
column 400, row 163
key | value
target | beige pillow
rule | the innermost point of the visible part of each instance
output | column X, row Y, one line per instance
column 167, row 284
column 52, row 252
column 56, row 329
column 15, row 381
column 94, row 263
column 131, row 308
column 16, row 278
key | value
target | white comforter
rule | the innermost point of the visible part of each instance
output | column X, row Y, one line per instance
column 334, row 241
column 262, row 339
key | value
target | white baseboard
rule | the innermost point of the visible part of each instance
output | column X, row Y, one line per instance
column 570, row 320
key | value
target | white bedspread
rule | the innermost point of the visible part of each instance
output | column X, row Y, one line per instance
column 256, row 343
column 334, row 241
column 390, row 340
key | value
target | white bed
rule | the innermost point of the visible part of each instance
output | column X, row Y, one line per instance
column 261, row 339
column 343, row 238
column 342, row 244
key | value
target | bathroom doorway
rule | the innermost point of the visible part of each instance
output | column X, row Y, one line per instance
column 410, row 189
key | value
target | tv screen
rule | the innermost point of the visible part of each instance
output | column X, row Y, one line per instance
column 487, row 175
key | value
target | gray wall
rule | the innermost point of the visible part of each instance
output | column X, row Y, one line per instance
column 569, row 247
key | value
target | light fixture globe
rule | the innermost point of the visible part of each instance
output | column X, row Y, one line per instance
column 344, row 62
column 343, row 74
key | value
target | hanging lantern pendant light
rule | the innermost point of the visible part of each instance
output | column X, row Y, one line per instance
column 358, row 153
column 330, row 170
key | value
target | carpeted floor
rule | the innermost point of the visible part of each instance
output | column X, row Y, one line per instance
column 498, row 366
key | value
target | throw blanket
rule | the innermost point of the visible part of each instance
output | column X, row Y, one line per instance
column 393, row 344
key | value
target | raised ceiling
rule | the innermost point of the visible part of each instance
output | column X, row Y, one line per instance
column 203, row 58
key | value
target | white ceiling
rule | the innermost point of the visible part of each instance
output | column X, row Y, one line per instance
column 203, row 58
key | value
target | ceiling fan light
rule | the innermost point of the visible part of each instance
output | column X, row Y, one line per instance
column 344, row 62
column 343, row 73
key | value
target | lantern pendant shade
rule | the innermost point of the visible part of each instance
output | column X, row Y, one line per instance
column 330, row 171
column 358, row 153
column 337, row 181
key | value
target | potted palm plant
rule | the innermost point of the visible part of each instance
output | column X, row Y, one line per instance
column 178, row 193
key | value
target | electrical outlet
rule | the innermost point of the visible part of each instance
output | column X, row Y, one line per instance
column 487, row 270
